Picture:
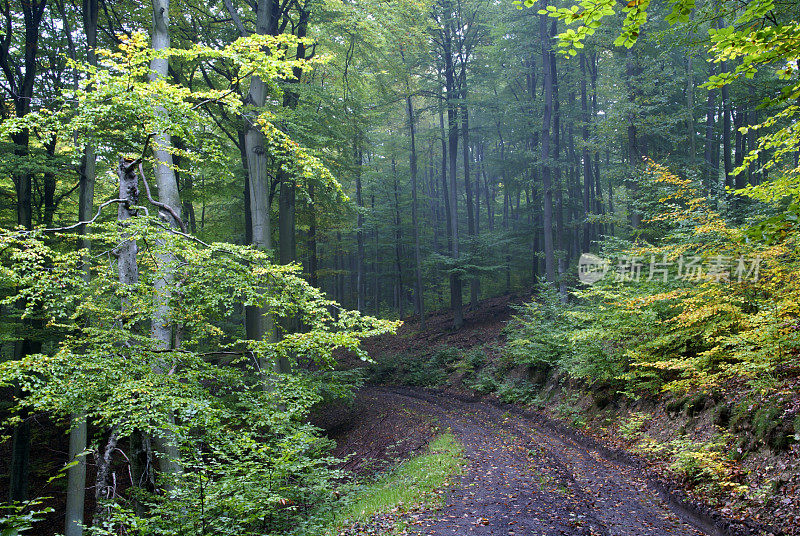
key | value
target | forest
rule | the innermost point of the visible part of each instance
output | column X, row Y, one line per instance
column 222, row 221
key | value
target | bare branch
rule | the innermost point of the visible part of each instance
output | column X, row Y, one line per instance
column 158, row 203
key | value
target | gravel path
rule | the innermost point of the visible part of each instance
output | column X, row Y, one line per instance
column 523, row 479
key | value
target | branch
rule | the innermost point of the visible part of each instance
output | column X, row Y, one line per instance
column 184, row 235
column 158, row 203
column 237, row 21
column 138, row 161
column 73, row 226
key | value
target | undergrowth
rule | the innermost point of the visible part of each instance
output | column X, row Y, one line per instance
column 417, row 482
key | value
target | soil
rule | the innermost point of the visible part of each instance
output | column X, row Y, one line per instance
column 483, row 324
column 523, row 477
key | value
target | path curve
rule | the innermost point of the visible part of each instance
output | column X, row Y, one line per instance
column 522, row 479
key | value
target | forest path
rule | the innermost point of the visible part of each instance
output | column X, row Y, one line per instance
column 525, row 479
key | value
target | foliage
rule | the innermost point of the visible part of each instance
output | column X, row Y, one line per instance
column 19, row 518
column 711, row 332
column 245, row 447
column 763, row 35
column 428, row 371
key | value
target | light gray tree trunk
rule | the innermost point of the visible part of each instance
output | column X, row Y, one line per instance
column 259, row 324
column 76, row 475
column 418, row 295
column 128, row 274
column 360, row 276
column 164, row 285
column 547, row 187
column 452, row 148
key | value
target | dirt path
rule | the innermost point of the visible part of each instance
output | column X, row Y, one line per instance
column 523, row 479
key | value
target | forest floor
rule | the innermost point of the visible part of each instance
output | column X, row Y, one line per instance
column 522, row 477
column 529, row 473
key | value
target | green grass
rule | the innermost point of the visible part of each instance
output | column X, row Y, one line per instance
column 413, row 483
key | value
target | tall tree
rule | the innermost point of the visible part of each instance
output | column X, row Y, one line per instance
column 547, row 186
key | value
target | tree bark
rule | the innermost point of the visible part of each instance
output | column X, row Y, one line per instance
column 587, row 164
column 398, row 243
column 474, row 283
column 164, row 285
column 452, row 147
column 419, row 298
column 726, row 130
column 547, row 187
column 87, row 172
column 360, row 279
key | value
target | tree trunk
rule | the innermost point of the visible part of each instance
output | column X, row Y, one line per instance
column 398, row 243
column 376, row 264
column 128, row 274
column 474, row 282
column 452, row 146
column 710, row 169
column 547, row 187
column 164, row 285
column 287, row 243
column 419, row 298
column 22, row 90
column 360, row 281
column 445, row 188
column 562, row 256
column 634, row 154
column 587, row 164
column 740, row 180
column 76, row 474
column 312, row 240
column 726, row 130
column 690, row 125
column 259, row 323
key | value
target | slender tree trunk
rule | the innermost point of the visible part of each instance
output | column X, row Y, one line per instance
column 740, row 181
column 691, row 132
column 474, row 282
column 506, row 229
column 287, row 242
column 313, row 278
column 76, row 474
column 452, row 123
column 486, row 188
column 419, row 298
column 709, row 168
column 161, row 328
column 634, row 155
column 587, row 164
column 476, row 151
column 547, row 187
column 726, row 130
column 398, row 243
column 360, row 282
column 376, row 262
column 561, row 254
column 248, row 213
column 445, row 189
column 751, row 144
